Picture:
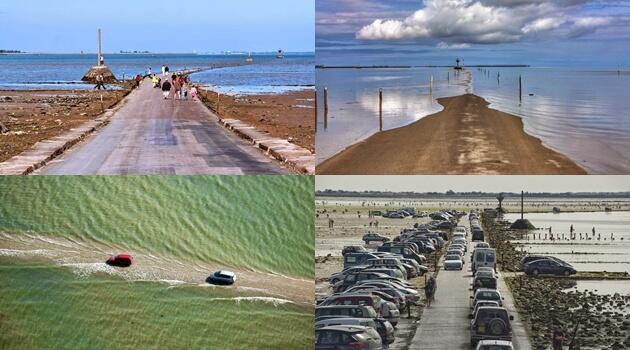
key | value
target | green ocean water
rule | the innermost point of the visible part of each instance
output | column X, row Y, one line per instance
column 250, row 223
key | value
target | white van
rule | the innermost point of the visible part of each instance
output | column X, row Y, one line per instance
column 484, row 257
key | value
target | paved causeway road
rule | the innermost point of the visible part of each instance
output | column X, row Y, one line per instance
column 445, row 325
column 150, row 135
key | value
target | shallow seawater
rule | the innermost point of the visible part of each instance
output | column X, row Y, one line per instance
column 45, row 306
column 266, row 75
column 578, row 112
column 64, row 71
column 57, row 292
column 607, row 250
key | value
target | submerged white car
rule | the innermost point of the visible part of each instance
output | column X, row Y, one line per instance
column 453, row 262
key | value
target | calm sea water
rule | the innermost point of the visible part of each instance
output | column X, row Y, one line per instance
column 580, row 113
column 176, row 226
column 598, row 253
column 57, row 71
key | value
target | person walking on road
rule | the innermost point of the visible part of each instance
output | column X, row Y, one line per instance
column 100, row 82
column 193, row 93
column 163, row 70
column 166, row 89
column 138, row 79
column 177, row 88
column 429, row 290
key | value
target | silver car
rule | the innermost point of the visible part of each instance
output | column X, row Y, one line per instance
column 347, row 338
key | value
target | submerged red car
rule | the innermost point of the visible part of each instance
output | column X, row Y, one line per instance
column 120, row 260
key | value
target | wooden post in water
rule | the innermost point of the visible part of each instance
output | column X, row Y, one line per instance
column 315, row 109
column 102, row 107
column 520, row 89
column 218, row 101
column 448, row 77
column 325, row 108
column 380, row 109
column 431, row 86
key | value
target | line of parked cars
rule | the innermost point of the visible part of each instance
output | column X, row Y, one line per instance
column 490, row 327
column 373, row 288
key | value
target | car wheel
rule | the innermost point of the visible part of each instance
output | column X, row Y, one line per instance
column 535, row 272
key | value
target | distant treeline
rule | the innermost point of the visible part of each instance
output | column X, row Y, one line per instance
column 10, row 51
column 453, row 194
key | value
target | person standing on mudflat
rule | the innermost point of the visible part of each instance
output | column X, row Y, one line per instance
column 99, row 82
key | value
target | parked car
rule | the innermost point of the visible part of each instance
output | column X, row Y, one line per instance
column 531, row 257
column 461, row 229
column 404, row 251
column 490, row 323
column 354, row 259
column 483, row 257
column 486, row 294
column 393, row 297
column 353, row 249
column 352, row 279
column 548, row 267
column 478, row 234
column 354, row 299
column 222, row 277
column 339, row 276
column 483, row 303
column 374, row 237
column 453, row 262
column 347, row 338
column 383, row 327
column 482, row 245
column 360, row 311
column 495, row 345
column 401, row 299
column 120, row 260
column 388, row 271
column 484, row 279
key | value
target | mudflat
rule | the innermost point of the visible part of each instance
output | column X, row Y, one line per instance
column 289, row 116
column 30, row 116
column 466, row 137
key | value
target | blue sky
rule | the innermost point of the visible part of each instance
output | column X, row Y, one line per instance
column 158, row 25
column 537, row 32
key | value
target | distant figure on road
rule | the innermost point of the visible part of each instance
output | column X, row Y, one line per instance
column 193, row 93
column 138, row 79
column 149, row 73
column 166, row 70
column 163, row 70
column 99, row 82
column 155, row 80
column 331, row 223
column 166, row 89
column 429, row 290
column 177, row 88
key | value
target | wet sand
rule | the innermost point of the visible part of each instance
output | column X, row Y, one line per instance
column 289, row 116
column 30, row 116
column 466, row 137
column 88, row 257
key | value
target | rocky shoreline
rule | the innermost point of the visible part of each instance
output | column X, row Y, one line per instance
column 597, row 321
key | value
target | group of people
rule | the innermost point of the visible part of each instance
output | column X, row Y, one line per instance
column 178, row 86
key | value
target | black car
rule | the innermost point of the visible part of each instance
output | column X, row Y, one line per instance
column 532, row 257
column 374, row 237
column 548, row 267
column 352, row 249
column 478, row 235
column 490, row 323
column 484, row 279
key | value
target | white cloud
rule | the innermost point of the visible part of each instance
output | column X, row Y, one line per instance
column 543, row 24
column 481, row 21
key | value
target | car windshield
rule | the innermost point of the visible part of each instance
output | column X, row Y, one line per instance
column 495, row 347
column 452, row 257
